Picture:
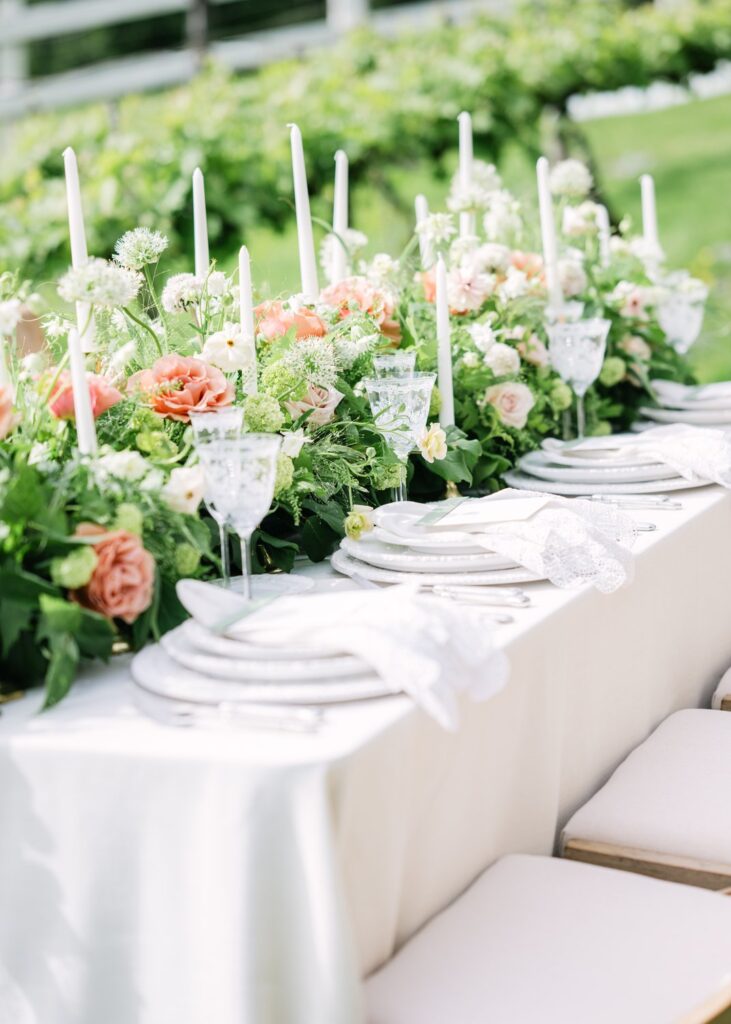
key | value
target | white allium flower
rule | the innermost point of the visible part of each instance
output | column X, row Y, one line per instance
column 216, row 284
column 571, row 178
column 437, row 228
column 124, row 465
column 100, row 283
column 471, row 360
column 502, row 219
column 183, row 491
column 462, row 250
column 33, row 363
column 382, row 271
column 56, row 327
column 350, row 348
column 181, row 292
column 492, row 257
column 315, row 360
column 469, row 199
column 293, row 442
column 486, row 175
column 572, row 276
column 137, row 248
column 482, row 335
column 502, row 359
column 11, row 313
column 229, row 349
column 467, row 290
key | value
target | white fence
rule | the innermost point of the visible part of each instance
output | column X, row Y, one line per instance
column 22, row 24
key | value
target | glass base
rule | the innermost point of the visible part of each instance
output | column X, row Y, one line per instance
column 277, row 584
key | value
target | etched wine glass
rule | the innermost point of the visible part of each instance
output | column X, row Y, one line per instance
column 212, row 427
column 395, row 364
column 240, row 478
column 400, row 407
column 680, row 309
column 577, row 352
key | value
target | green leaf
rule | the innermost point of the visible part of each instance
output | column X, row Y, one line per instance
column 318, row 539
column 95, row 635
column 24, row 497
column 62, row 665
column 58, row 616
column 330, row 512
column 15, row 616
column 15, row 584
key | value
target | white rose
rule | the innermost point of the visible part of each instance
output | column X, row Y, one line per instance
column 492, row 256
column 502, row 359
column 433, row 443
column 515, row 285
column 471, row 360
column 572, row 276
column 184, row 490
column 229, row 349
column 467, row 290
column 482, row 335
column 512, row 402
column 124, row 465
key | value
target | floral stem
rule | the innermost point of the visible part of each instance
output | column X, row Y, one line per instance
column 155, row 300
column 146, row 327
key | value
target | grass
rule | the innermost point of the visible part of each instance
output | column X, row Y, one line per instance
column 687, row 148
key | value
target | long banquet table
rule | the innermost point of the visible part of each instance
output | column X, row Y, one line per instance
column 169, row 876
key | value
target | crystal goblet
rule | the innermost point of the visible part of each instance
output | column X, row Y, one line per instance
column 240, row 478
column 680, row 310
column 400, row 407
column 577, row 352
column 395, row 364
column 210, row 428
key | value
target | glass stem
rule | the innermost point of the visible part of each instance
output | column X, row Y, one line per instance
column 225, row 560
column 246, row 565
column 580, row 419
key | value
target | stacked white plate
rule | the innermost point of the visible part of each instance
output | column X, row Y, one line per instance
column 197, row 672
column 399, row 550
column 705, row 405
column 606, row 465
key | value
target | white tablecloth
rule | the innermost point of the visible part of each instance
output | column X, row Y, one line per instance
column 150, row 875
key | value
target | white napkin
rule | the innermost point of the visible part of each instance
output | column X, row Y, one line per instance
column 569, row 541
column 695, row 453
column 427, row 647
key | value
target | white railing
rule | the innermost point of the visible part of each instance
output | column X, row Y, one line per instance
column 21, row 25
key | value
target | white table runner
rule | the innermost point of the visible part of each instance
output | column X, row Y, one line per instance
column 150, row 875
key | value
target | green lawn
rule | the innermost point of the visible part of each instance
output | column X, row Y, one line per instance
column 688, row 149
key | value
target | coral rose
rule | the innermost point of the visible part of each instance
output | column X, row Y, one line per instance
column 8, row 417
column 531, row 263
column 103, row 396
column 273, row 320
column 176, row 386
column 357, row 292
column 122, row 583
column 429, row 284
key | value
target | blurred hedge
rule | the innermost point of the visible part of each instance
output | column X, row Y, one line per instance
column 385, row 101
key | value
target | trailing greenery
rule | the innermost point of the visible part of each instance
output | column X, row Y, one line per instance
column 136, row 156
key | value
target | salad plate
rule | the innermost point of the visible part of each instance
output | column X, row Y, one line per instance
column 539, row 464
column 348, row 566
column 694, row 417
column 390, row 556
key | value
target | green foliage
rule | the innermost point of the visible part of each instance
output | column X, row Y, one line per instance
column 136, row 157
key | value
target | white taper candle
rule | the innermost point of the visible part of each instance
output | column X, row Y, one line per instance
column 548, row 236
column 77, row 238
column 5, row 378
column 200, row 225
column 466, row 159
column 426, row 251
column 339, row 265
column 305, row 241
column 604, row 234
column 84, row 416
column 649, row 212
column 246, row 315
column 444, row 348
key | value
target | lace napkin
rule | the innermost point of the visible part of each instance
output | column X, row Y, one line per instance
column 422, row 645
column 695, row 453
column 569, row 541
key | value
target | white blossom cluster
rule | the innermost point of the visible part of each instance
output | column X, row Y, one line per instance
column 139, row 248
column 100, row 283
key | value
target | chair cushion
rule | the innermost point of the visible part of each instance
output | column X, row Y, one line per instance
column 671, row 795
column 538, row 939
column 722, row 690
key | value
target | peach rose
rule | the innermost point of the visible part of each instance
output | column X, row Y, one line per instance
column 103, row 396
column 429, row 284
column 321, row 401
column 529, row 262
column 533, row 351
column 273, row 320
column 176, row 386
column 123, row 580
column 358, row 292
column 8, row 417
column 512, row 402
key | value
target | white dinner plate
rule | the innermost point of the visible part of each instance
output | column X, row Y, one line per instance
column 673, row 395
column 539, row 464
column 155, row 671
column 451, row 542
column 389, row 556
column 262, row 670
column 576, row 490
column 343, row 563
column 694, row 417
column 563, row 454
column 249, row 645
